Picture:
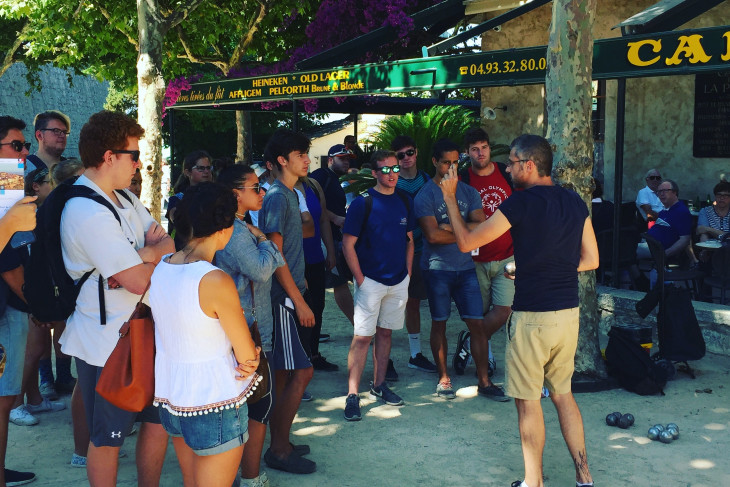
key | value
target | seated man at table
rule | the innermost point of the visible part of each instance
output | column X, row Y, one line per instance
column 673, row 225
column 648, row 201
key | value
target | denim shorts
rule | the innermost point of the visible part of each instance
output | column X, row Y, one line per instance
column 13, row 336
column 461, row 286
column 209, row 434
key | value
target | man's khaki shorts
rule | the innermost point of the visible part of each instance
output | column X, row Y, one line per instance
column 496, row 289
column 540, row 350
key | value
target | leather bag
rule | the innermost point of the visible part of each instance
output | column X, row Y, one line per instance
column 262, row 370
column 128, row 377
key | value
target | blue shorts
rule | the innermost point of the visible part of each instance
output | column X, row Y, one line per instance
column 260, row 411
column 13, row 336
column 288, row 352
column 212, row 433
column 108, row 425
column 462, row 286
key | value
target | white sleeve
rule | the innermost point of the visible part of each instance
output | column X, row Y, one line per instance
column 302, row 201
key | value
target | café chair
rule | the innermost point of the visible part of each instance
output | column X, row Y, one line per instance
column 665, row 274
column 720, row 277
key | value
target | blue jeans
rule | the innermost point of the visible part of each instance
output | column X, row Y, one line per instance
column 461, row 286
column 13, row 336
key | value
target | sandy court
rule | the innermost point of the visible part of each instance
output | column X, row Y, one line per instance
column 467, row 441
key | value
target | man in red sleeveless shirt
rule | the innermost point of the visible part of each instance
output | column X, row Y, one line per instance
column 490, row 179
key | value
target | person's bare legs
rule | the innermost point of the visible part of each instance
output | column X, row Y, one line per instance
column 185, row 458
column 495, row 319
column 413, row 315
column 532, row 436
column 439, row 348
column 39, row 339
column 217, row 470
column 290, row 386
column 251, row 459
column 356, row 359
column 571, row 425
column 80, row 427
column 381, row 354
column 343, row 298
column 151, row 449
column 102, row 463
column 479, row 350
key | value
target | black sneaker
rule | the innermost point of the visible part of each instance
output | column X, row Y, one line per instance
column 391, row 375
column 324, row 337
column 292, row 464
column 495, row 393
column 516, row 483
column 383, row 392
column 461, row 357
column 13, row 477
column 320, row 363
column 352, row 408
column 419, row 362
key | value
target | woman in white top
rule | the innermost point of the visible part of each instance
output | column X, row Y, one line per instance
column 206, row 359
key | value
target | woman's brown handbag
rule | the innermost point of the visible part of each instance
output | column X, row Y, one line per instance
column 128, row 377
column 263, row 369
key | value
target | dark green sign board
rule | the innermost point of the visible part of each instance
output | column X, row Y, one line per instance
column 668, row 53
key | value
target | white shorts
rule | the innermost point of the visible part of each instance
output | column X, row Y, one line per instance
column 379, row 305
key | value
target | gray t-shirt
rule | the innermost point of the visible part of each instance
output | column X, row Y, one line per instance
column 280, row 214
column 430, row 202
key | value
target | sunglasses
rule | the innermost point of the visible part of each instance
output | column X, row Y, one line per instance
column 133, row 153
column 256, row 188
column 654, row 178
column 17, row 145
column 388, row 169
column 203, row 168
column 402, row 155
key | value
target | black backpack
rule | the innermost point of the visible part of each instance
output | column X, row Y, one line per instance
column 631, row 365
column 50, row 292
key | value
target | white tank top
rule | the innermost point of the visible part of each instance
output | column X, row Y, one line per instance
column 194, row 362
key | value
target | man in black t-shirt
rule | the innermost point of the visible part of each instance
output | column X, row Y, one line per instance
column 553, row 241
column 329, row 178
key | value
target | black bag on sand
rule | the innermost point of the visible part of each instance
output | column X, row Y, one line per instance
column 631, row 365
column 680, row 337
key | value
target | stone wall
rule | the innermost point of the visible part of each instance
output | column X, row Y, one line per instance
column 618, row 306
column 79, row 100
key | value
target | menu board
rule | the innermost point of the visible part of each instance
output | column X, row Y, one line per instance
column 712, row 115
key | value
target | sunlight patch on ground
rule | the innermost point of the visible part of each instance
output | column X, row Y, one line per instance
column 320, row 430
column 484, row 417
column 706, row 438
column 618, row 447
column 642, row 440
column 326, row 405
column 384, row 412
column 320, row 420
column 715, row 427
column 702, row 464
column 470, row 391
column 618, row 436
column 721, row 410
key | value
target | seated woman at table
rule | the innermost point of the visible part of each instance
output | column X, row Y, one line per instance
column 714, row 221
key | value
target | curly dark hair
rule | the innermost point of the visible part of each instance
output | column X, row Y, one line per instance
column 105, row 131
column 206, row 208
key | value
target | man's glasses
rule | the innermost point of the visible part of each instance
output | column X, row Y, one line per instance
column 56, row 132
column 203, row 168
column 511, row 162
column 402, row 155
column 256, row 188
column 133, row 153
column 662, row 191
column 654, row 178
column 17, row 145
column 388, row 169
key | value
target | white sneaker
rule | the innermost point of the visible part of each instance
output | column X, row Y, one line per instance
column 261, row 481
column 46, row 406
column 22, row 417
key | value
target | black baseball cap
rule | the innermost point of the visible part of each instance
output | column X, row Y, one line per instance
column 339, row 150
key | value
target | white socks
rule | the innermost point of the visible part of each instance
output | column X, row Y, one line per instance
column 414, row 341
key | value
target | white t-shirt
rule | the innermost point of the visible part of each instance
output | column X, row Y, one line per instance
column 648, row 197
column 92, row 238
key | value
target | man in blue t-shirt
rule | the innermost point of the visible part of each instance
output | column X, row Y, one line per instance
column 553, row 241
column 450, row 273
column 378, row 246
column 673, row 225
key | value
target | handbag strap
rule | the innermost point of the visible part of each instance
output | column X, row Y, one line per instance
column 124, row 329
column 255, row 325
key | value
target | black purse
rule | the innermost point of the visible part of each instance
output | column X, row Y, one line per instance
column 263, row 369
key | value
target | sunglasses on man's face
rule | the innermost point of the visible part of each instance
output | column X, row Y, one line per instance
column 133, row 153
column 388, row 169
column 654, row 178
column 402, row 155
column 256, row 188
column 17, row 145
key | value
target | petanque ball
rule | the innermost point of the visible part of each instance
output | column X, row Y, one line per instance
column 630, row 418
column 659, row 427
column 673, row 425
column 653, row 433
column 674, row 432
column 666, row 437
column 618, row 415
column 623, row 422
column 611, row 419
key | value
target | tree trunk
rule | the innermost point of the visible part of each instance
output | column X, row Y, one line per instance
column 151, row 88
column 568, row 99
column 243, row 147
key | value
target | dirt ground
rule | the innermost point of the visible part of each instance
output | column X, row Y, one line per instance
column 464, row 442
